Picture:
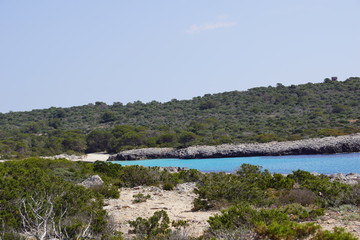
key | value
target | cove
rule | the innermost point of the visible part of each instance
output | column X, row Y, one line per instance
column 324, row 163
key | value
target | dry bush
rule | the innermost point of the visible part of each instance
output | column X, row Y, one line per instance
column 304, row 197
column 231, row 234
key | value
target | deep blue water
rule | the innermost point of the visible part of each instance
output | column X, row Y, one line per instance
column 331, row 163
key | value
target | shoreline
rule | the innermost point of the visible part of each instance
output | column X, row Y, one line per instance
column 326, row 145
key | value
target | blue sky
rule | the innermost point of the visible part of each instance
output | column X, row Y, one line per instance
column 68, row 53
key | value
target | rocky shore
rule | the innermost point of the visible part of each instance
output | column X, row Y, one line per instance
column 350, row 178
column 326, row 145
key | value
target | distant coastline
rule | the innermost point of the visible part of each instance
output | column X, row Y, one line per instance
column 326, row 145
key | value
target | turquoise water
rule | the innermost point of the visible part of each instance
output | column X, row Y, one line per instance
column 332, row 163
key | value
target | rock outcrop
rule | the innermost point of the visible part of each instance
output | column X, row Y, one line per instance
column 326, row 145
column 92, row 182
column 174, row 169
column 350, row 178
column 72, row 157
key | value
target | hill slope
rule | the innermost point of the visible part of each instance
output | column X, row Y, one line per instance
column 258, row 115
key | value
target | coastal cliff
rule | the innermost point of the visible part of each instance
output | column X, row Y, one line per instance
column 326, row 145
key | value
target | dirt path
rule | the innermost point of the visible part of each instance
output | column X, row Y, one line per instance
column 177, row 203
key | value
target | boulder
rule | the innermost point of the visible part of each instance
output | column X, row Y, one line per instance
column 93, row 181
column 350, row 178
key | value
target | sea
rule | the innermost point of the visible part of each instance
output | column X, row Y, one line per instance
column 322, row 163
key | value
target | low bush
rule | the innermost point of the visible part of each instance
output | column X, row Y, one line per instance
column 168, row 186
column 191, row 175
column 329, row 193
column 201, row 204
column 274, row 224
column 298, row 213
column 336, row 234
column 180, row 224
column 355, row 195
column 229, row 234
column 279, row 181
column 158, row 227
column 32, row 197
column 304, row 197
column 287, row 230
column 249, row 184
column 138, row 198
column 243, row 215
column 155, row 227
column 108, row 191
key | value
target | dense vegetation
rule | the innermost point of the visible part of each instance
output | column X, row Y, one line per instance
column 260, row 188
column 272, row 206
column 260, row 114
column 42, row 198
column 258, row 205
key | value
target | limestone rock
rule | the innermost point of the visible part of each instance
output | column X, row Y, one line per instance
column 326, row 145
column 93, row 181
column 350, row 178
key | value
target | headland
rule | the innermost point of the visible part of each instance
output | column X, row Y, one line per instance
column 326, row 145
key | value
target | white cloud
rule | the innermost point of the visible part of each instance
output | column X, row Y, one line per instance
column 195, row 28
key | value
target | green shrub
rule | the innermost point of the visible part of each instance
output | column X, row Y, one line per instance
column 201, row 204
column 107, row 168
column 138, row 198
column 297, row 212
column 246, row 216
column 275, row 223
column 191, row 175
column 248, row 184
column 31, row 193
column 315, row 213
column 114, row 236
column 355, row 195
column 285, row 230
column 108, row 191
column 336, row 234
column 329, row 193
column 180, row 224
column 155, row 227
column 279, row 181
column 168, row 186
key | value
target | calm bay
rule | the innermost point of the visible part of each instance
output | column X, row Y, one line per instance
column 325, row 163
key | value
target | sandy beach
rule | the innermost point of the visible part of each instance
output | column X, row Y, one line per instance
column 90, row 157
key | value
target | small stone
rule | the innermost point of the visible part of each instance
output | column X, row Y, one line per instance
column 128, row 206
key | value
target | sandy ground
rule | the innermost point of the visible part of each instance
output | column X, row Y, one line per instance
column 346, row 217
column 177, row 203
